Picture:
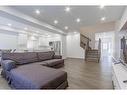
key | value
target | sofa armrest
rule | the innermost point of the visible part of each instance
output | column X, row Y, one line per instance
column 57, row 57
column 7, row 65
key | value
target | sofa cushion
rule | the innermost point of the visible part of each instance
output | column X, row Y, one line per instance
column 33, row 76
column 53, row 62
column 40, row 63
column 21, row 58
column 57, row 57
column 45, row 55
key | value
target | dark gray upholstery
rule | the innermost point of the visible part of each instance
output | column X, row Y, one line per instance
column 49, row 58
column 8, row 65
column 21, row 58
column 57, row 57
column 28, row 71
column 37, row 77
column 53, row 62
column 45, row 55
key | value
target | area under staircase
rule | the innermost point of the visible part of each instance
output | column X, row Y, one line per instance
column 92, row 55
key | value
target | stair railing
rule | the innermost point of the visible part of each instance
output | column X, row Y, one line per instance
column 84, row 43
column 99, row 49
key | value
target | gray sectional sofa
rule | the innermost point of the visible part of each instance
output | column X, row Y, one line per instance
column 34, row 70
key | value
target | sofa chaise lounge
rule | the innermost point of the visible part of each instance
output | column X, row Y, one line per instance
column 34, row 70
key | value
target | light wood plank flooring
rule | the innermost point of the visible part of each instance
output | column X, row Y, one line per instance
column 83, row 75
column 88, row 75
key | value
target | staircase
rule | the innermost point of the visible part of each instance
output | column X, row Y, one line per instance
column 90, row 54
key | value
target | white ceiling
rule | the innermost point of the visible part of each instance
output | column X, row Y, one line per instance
column 19, row 21
column 19, row 27
column 89, row 15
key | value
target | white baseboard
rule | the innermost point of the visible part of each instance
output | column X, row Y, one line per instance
column 76, row 57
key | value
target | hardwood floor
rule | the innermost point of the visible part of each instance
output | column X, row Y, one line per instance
column 3, row 83
column 83, row 75
column 88, row 75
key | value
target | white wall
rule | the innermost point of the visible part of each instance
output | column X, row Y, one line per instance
column 73, row 46
column 8, row 40
column 64, row 46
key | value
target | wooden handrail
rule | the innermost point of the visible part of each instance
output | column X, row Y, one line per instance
column 99, row 48
column 99, row 44
column 85, row 42
column 85, row 37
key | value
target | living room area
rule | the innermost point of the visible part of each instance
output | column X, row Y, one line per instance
column 62, row 47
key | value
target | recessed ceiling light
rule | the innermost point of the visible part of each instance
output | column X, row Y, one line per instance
column 9, row 24
column 37, row 11
column 78, row 20
column 75, row 32
column 56, row 34
column 103, row 18
column 66, row 28
column 67, row 9
column 48, row 35
column 25, row 28
column 37, row 31
column 102, row 6
column 55, row 21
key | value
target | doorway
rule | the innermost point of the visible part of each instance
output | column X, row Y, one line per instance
column 107, row 43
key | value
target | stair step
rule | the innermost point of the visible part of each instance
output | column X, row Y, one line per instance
column 92, row 56
column 92, row 51
column 92, row 59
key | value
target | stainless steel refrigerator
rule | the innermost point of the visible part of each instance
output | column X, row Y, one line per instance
column 56, row 47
